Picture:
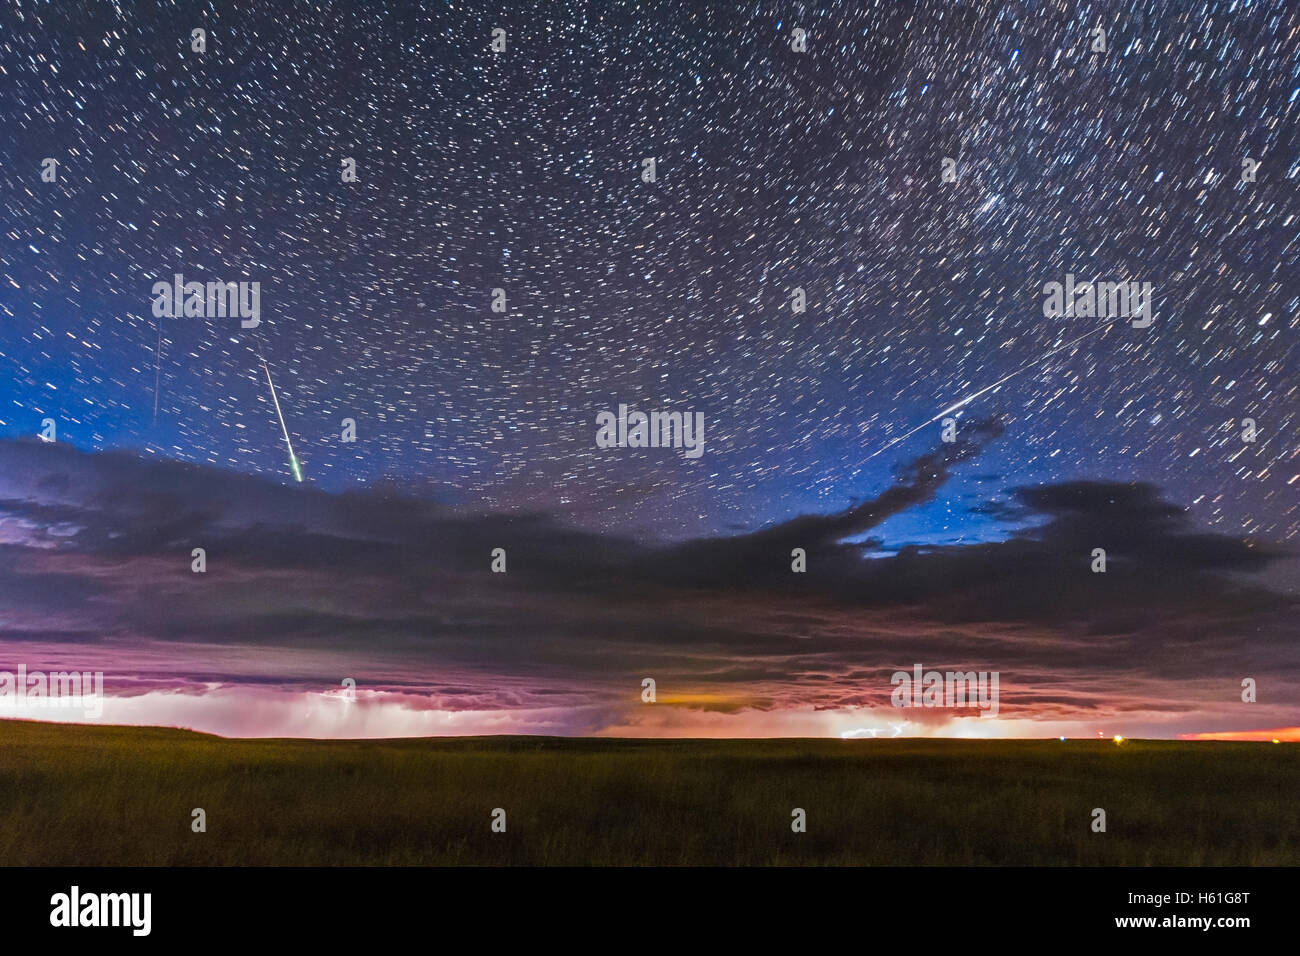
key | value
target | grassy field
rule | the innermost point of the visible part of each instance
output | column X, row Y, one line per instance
column 76, row 795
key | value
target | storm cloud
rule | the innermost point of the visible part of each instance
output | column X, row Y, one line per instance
column 304, row 587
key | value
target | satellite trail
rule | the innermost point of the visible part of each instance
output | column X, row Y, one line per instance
column 157, row 377
column 970, row 398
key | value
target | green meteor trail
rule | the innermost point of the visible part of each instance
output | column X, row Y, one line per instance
column 293, row 459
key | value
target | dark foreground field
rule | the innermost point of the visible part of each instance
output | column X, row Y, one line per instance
column 75, row 795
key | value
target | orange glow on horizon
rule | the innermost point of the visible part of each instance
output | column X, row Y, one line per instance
column 1288, row 734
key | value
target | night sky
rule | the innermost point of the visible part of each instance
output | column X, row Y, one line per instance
column 775, row 169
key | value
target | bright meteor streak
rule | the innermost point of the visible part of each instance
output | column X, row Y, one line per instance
column 970, row 398
column 293, row 459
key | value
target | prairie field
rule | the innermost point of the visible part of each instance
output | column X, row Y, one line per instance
column 84, row 796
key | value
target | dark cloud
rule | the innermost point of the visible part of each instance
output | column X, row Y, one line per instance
column 302, row 585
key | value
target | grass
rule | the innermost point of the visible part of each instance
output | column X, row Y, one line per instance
column 86, row 796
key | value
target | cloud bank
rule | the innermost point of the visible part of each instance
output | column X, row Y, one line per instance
column 305, row 588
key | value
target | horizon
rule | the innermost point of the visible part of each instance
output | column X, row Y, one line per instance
column 1277, row 738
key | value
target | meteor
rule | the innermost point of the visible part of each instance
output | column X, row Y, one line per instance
column 970, row 398
column 293, row 459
